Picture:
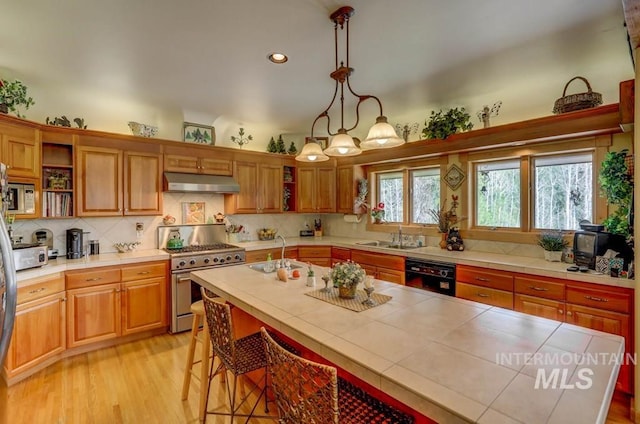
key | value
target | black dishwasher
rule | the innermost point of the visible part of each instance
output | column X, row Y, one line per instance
column 439, row 277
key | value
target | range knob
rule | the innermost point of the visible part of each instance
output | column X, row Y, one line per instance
column 192, row 262
column 207, row 260
column 182, row 263
column 221, row 260
column 229, row 257
column 444, row 273
column 216, row 260
column 237, row 257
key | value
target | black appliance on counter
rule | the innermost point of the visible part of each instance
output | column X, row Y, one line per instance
column 74, row 243
column 439, row 277
column 589, row 244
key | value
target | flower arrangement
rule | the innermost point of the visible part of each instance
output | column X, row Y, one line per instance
column 552, row 241
column 241, row 140
column 310, row 272
column 377, row 212
column 347, row 274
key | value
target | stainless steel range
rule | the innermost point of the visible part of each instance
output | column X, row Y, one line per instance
column 193, row 247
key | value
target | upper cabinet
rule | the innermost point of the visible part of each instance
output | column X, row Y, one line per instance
column 260, row 188
column 316, row 189
column 199, row 161
column 20, row 150
column 113, row 182
column 347, row 187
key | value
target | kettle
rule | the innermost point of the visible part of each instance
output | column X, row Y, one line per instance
column 219, row 218
column 174, row 242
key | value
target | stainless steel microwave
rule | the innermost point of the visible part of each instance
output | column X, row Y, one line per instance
column 21, row 199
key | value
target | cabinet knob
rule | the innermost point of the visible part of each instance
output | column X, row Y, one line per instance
column 483, row 295
column 560, row 311
column 569, row 314
column 482, row 279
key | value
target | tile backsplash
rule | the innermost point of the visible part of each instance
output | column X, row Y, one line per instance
column 123, row 229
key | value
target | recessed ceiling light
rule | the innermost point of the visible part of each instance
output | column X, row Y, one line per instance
column 277, row 58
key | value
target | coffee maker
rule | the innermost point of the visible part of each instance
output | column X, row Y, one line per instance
column 74, row 243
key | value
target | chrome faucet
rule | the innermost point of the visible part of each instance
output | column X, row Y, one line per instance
column 284, row 242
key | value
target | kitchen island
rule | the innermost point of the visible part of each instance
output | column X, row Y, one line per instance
column 449, row 359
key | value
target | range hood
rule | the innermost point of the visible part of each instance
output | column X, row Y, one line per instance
column 197, row 183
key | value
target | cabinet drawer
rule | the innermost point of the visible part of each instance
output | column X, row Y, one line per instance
column 500, row 280
column 539, row 288
column 39, row 288
column 486, row 295
column 314, row 252
column 379, row 260
column 600, row 299
column 96, row 277
column 340, row 254
column 143, row 271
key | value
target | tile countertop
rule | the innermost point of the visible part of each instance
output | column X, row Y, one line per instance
column 62, row 264
column 512, row 263
column 438, row 354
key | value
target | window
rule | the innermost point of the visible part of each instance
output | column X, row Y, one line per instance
column 390, row 192
column 425, row 194
column 562, row 191
column 498, row 194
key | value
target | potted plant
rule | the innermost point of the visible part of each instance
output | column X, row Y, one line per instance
column 442, row 124
column 13, row 94
column 616, row 185
column 311, row 277
column 377, row 213
column 346, row 276
column 553, row 243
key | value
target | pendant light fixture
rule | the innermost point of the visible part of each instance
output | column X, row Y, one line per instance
column 312, row 152
column 381, row 135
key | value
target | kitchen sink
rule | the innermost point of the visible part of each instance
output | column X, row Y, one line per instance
column 260, row 267
column 387, row 244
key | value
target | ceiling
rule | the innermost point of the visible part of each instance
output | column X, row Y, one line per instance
column 165, row 61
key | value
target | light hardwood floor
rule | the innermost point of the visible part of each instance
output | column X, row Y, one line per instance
column 138, row 382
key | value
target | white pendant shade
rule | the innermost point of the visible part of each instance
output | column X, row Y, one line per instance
column 381, row 136
column 312, row 152
column 342, row 145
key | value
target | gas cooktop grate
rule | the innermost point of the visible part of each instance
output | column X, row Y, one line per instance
column 202, row 248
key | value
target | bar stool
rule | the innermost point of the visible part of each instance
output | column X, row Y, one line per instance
column 237, row 356
column 197, row 336
column 307, row 392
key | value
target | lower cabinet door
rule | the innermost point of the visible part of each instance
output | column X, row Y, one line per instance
column 38, row 333
column 144, row 305
column 486, row 295
column 93, row 314
column 538, row 306
column 390, row 275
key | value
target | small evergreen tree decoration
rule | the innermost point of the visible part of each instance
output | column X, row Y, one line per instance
column 271, row 147
column 280, row 145
column 292, row 149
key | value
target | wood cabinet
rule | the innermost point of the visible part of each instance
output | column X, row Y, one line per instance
column 142, row 183
column 340, row 254
column 347, row 177
column 199, row 163
column 260, row 188
column 39, row 328
column 109, row 302
column 317, row 255
column 144, row 297
column 316, row 189
column 383, row 267
column 486, row 286
column 20, row 150
column 112, row 182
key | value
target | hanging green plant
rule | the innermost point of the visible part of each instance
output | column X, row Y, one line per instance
column 442, row 124
column 617, row 186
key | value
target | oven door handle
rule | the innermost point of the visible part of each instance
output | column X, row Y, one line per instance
column 182, row 280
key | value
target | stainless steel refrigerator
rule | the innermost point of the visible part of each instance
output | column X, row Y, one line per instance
column 8, row 280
